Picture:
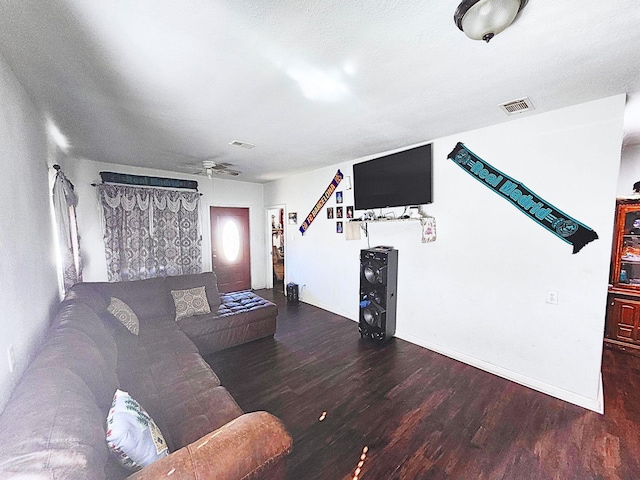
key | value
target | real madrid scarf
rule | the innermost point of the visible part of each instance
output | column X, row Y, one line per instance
column 539, row 210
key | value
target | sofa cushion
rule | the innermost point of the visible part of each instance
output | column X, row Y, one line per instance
column 87, row 294
column 51, row 428
column 165, row 336
column 206, row 279
column 149, row 298
column 81, row 317
column 191, row 302
column 132, row 435
column 237, row 309
column 123, row 313
column 76, row 351
column 200, row 414
column 246, row 302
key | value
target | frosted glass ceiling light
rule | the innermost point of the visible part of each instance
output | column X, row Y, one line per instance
column 483, row 19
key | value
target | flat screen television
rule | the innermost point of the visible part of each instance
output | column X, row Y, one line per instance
column 396, row 180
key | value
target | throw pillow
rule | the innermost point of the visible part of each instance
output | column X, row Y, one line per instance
column 132, row 435
column 190, row 302
column 124, row 314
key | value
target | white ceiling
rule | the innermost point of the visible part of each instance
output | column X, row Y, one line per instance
column 168, row 83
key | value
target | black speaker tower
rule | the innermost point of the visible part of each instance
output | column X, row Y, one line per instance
column 378, row 283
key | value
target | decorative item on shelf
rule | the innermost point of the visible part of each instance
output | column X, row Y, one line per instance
column 428, row 229
column 484, row 19
column 352, row 230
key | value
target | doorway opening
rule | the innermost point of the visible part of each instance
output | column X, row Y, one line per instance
column 275, row 222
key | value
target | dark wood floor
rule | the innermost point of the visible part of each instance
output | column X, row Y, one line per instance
column 422, row 415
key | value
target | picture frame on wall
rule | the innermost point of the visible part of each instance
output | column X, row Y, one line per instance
column 338, row 197
column 329, row 212
column 339, row 212
column 350, row 211
column 338, row 227
column 293, row 218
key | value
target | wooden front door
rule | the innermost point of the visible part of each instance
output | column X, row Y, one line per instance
column 230, row 252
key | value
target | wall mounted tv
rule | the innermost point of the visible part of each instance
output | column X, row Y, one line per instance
column 396, row 180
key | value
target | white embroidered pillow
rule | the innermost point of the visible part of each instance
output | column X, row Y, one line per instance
column 190, row 302
column 132, row 435
column 124, row 314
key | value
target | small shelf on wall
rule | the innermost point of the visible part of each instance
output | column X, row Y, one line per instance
column 428, row 228
column 389, row 220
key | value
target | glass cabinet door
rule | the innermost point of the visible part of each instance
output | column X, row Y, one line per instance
column 627, row 255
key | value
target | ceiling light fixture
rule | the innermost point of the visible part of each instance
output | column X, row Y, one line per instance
column 208, row 167
column 483, row 19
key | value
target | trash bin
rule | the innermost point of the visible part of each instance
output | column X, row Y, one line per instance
column 292, row 294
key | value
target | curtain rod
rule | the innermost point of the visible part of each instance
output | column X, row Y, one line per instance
column 148, row 186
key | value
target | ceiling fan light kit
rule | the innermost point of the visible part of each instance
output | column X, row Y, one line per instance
column 209, row 167
column 483, row 19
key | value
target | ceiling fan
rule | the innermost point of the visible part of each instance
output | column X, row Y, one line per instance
column 209, row 168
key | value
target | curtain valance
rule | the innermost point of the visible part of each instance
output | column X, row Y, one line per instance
column 138, row 197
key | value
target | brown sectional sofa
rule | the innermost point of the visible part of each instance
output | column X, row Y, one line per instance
column 54, row 423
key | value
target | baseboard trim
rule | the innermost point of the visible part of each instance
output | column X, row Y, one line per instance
column 596, row 405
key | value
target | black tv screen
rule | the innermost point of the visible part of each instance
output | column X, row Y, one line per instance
column 396, row 180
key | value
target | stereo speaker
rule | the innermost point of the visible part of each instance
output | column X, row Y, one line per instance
column 378, row 283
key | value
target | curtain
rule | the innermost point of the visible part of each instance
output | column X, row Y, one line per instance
column 65, row 201
column 149, row 232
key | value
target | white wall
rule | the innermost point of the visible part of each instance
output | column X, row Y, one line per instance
column 28, row 278
column 629, row 170
column 478, row 293
column 215, row 192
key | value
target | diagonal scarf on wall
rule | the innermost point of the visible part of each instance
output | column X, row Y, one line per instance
column 320, row 203
column 539, row 210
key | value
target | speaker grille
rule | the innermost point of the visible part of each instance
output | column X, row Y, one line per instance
column 378, row 280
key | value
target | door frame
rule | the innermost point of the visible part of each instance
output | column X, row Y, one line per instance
column 268, row 250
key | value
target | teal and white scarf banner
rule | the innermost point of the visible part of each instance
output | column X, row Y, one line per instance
column 542, row 212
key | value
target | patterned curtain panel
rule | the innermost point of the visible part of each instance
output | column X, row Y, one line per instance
column 149, row 232
column 65, row 201
column 175, row 225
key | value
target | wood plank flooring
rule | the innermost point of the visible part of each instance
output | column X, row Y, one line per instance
column 422, row 415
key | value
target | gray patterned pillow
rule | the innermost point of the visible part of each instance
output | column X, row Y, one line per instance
column 190, row 302
column 123, row 312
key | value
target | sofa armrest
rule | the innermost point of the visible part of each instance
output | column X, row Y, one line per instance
column 245, row 448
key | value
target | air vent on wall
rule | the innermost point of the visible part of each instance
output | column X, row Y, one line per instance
column 517, row 106
column 237, row 143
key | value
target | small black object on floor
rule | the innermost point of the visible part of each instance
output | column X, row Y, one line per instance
column 292, row 294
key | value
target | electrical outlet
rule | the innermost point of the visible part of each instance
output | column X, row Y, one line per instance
column 11, row 356
column 552, row 297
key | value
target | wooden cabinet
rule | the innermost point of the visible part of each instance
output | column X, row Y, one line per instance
column 622, row 329
column 626, row 315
